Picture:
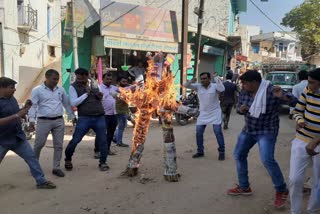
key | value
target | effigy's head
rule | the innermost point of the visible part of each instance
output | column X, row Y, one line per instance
column 159, row 91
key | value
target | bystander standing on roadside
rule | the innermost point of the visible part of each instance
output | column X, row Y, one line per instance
column 108, row 103
column 122, row 112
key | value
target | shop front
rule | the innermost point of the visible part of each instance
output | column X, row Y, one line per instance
column 133, row 33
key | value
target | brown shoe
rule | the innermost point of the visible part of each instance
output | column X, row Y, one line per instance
column 280, row 199
column 239, row 191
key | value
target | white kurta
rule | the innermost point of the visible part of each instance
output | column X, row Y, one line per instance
column 210, row 110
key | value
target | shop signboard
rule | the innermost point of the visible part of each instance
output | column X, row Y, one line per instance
column 137, row 44
column 212, row 50
column 138, row 22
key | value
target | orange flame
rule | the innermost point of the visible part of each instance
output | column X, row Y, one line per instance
column 156, row 95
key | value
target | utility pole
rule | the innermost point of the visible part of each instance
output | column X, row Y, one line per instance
column 184, row 45
column 74, row 36
column 199, row 12
column 1, row 52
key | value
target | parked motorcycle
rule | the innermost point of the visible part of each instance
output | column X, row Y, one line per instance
column 189, row 109
column 25, row 127
column 25, row 121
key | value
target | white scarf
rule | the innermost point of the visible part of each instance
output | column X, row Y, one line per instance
column 259, row 104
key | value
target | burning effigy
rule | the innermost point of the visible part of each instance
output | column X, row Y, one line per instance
column 158, row 94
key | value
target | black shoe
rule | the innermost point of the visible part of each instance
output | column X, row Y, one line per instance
column 122, row 145
column 221, row 157
column 58, row 172
column 198, row 155
column 225, row 126
column 68, row 165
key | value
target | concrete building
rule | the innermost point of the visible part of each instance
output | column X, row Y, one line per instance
column 314, row 60
column 246, row 31
column 30, row 33
column 277, row 45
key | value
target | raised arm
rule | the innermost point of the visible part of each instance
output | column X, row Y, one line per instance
column 219, row 84
column 191, row 84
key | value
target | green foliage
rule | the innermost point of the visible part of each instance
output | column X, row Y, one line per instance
column 305, row 20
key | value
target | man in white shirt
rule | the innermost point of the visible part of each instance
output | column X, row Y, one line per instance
column 297, row 89
column 48, row 101
column 210, row 110
column 138, row 72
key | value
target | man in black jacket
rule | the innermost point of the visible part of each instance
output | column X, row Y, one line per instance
column 228, row 98
column 87, row 98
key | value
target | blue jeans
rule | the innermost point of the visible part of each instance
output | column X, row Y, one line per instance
column 98, row 125
column 266, row 144
column 25, row 151
column 219, row 136
column 122, row 123
column 111, row 125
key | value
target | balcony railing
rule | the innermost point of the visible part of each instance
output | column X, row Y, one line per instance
column 27, row 18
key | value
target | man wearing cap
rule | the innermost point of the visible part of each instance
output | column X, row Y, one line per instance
column 87, row 98
column 48, row 101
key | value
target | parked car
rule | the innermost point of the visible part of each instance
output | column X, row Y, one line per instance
column 285, row 79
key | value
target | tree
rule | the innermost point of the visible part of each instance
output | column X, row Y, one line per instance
column 305, row 21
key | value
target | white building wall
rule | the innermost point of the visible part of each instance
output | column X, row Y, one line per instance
column 26, row 53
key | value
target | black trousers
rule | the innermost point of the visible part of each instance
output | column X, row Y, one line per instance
column 111, row 124
column 226, row 110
